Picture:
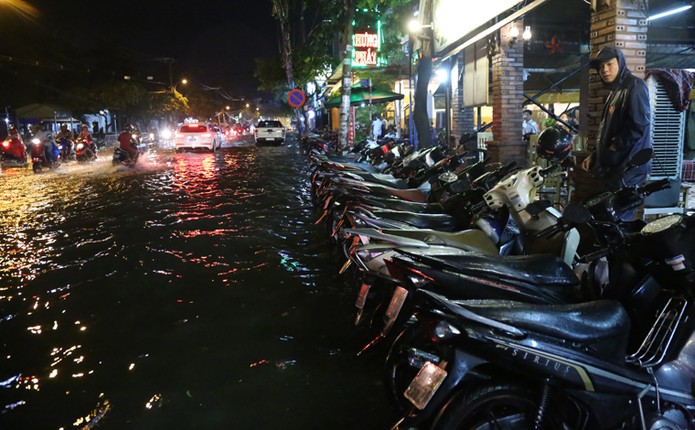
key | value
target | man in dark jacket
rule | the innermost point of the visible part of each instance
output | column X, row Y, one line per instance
column 624, row 128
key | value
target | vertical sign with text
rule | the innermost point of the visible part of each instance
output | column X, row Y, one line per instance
column 366, row 45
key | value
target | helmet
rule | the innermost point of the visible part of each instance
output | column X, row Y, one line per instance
column 84, row 126
column 554, row 144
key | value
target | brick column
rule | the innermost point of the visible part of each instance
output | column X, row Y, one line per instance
column 462, row 119
column 619, row 23
column 507, row 94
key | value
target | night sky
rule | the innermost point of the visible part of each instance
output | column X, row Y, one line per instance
column 212, row 42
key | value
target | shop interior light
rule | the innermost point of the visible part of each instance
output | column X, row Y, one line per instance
column 527, row 33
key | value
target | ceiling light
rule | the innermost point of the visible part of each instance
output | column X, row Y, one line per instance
column 669, row 12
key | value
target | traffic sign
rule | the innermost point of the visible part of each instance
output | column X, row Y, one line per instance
column 296, row 98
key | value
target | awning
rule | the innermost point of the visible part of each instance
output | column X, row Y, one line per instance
column 360, row 95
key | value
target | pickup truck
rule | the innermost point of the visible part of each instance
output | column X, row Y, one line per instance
column 269, row 131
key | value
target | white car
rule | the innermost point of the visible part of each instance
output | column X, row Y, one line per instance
column 195, row 135
column 269, row 131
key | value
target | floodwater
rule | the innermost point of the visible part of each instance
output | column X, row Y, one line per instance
column 191, row 292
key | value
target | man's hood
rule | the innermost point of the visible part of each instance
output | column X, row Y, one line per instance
column 606, row 53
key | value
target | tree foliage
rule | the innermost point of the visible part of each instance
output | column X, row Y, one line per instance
column 130, row 101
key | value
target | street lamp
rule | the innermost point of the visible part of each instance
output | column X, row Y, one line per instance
column 183, row 81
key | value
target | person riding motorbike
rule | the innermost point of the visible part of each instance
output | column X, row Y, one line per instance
column 44, row 146
column 14, row 146
column 65, row 138
column 86, row 137
column 128, row 143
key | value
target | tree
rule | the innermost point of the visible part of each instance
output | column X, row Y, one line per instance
column 424, row 73
column 347, row 73
column 281, row 13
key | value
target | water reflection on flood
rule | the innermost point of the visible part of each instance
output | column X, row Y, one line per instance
column 190, row 292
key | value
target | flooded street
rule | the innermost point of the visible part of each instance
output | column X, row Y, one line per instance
column 193, row 291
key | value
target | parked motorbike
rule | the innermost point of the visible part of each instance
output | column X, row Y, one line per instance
column 517, row 365
column 642, row 282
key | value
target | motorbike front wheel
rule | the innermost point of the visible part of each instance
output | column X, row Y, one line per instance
column 493, row 405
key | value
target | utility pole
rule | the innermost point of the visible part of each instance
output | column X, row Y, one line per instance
column 169, row 61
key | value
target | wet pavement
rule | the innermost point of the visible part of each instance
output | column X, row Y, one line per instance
column 192, row 291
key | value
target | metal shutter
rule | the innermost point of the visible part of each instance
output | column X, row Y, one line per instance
column 667, row 133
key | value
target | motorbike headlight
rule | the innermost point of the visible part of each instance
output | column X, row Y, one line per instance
column 80, row 146
column 151, row 136
column 6, row 143
column 166, row 133
column 35, row 141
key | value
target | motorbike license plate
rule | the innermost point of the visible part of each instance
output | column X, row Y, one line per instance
column 394, row 308
column 362, row 295
column 271, row 138
column 424, row 385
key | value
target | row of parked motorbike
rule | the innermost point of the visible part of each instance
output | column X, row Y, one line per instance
column 496, row 310
column 48, row 153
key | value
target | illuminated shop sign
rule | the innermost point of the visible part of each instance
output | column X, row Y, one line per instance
column 366, row 44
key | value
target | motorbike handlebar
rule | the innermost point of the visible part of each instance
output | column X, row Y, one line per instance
column 655, row 186
column 594, row 255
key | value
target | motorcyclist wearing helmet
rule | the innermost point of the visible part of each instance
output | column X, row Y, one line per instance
column 86, row 137
column 128, row 143
column 64, row 138
column 64, row 133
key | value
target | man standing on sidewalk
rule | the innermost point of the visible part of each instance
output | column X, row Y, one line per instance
column 625, row 121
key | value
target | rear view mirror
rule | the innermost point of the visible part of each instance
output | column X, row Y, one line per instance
column 641, row 157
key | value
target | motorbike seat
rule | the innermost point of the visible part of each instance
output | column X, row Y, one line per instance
column 600, row 327
column 541, row 269
column 402, row 205
column 442, row 222
column 352, row 165
column 379, row 178
column 410, row 194
column 471, row 239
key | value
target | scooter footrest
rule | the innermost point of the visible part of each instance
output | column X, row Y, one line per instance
column 656, row 344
